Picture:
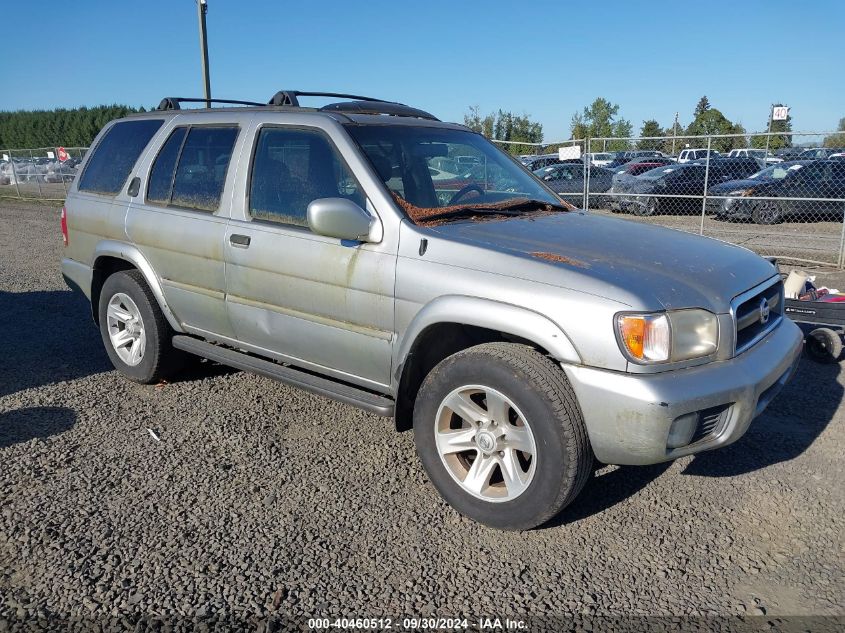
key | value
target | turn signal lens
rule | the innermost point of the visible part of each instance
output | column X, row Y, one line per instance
column 646, row 337
column 668, row 336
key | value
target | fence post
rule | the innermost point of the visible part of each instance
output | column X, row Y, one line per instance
column 36, row 175
column 706, row 179
column 585, row 177
column 14, row 173
column 841, row 260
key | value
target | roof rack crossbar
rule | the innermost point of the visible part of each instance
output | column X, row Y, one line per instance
column 289, row 97
column 173, row 103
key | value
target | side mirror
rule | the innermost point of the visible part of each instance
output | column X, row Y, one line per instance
column 340, row 218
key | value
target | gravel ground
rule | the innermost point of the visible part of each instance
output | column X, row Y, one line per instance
column 259, row 500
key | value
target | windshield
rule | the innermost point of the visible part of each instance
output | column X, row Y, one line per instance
column 486, row 177
column 775, row 172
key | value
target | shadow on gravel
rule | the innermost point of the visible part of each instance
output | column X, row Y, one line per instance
column 606, row 490
column 22, row 425
column 47, row 337
column 791, row 423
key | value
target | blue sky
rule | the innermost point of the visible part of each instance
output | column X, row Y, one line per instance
column 546, row 59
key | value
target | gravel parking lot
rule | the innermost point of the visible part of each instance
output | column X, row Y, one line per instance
column 259, row 500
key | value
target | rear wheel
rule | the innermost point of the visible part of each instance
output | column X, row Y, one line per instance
column 134, row 331
column 499, row 431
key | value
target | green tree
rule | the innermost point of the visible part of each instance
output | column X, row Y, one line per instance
column 25, row 129
column 702, row 107
column 783, row 139
column 481, row 124
column 712, row 122
column 599, row 120
column 650, row 128
column 838, row 139
column 507, row 126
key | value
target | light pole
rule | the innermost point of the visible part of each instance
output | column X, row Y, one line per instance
column 202, row 8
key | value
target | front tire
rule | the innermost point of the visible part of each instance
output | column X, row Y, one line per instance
column 767, row 212
column 135, row 333
column 500, row 434
column 649, row 208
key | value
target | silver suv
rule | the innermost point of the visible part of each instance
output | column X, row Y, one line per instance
column 519, row 337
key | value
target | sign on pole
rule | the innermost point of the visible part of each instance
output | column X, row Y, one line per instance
column 51, row 155
column 780, row 113
column 566, row 153
column 63, row 155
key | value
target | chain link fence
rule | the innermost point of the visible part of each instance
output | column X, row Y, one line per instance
column 43, row 173
column 781, row 195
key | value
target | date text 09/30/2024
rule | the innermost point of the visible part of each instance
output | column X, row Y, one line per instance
column 417, row 624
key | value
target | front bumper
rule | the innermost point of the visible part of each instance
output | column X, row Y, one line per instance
column 628, row 416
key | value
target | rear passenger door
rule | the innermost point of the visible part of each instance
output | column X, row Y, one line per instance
column 178, row 222
column 315, row 301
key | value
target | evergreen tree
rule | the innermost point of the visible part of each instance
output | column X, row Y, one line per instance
column 702, row 107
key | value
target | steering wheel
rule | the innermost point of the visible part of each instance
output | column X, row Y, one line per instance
column 464, row 191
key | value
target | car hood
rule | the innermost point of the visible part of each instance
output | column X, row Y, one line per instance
column 736, row 185
column 641, row 265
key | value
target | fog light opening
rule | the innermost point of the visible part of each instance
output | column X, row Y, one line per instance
column 682, row 430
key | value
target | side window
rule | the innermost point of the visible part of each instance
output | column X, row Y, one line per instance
column 293, row 167
column 199, row 156
column 116, row 155
column 160, row 183
column 203, row 163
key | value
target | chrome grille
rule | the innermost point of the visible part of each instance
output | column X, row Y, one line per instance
column 748, row 311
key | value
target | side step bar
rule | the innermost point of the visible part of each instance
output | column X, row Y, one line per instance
column 374, row 403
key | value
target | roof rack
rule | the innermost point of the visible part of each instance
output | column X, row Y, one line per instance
column 172, row 103
column 290, row 98
column 359, row 104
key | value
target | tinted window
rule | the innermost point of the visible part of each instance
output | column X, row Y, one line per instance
column 203, row 163
column 291, row 168
column 116, row 155
column 161, row 175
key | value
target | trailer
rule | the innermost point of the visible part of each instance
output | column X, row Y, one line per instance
column 824, row 342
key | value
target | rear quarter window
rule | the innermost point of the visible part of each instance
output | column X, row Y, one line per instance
column 116, row 154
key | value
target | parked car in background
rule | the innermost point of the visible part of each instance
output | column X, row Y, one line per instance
column 729, row 206
column 687, row 155
column 820, row 152
column 677, row 188
column 759, row 154
column 636, row 167
column 543, row 160
column 819, row 186
column 600, row 159
column 567, row 180
column 788, row 153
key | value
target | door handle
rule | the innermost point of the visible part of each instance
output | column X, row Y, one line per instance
column 239, row 241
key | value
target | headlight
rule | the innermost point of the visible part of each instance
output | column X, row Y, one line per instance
column 667, row 336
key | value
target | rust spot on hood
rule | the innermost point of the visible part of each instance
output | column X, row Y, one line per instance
column 560, row 259
column 432, row 216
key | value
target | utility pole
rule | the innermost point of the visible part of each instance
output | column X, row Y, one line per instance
column 202, row 8
column 674, row 132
